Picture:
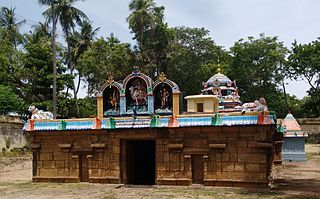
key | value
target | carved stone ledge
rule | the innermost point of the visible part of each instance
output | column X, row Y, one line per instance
column 217, row 146
column 65, row 146
column 175, row 146
column 98, row 145
column 253, row 144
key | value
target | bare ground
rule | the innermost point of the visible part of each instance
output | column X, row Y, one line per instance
column 292, row 180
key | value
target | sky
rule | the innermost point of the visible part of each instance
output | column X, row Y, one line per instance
column 227, row 20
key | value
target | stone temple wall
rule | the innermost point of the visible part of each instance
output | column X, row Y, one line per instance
column 310, row 125
column 226, row 156
column 11, row 134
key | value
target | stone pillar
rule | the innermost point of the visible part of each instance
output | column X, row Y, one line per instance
column 123, row 104
column 99, row 106
column 150, row 104
column 176, row 103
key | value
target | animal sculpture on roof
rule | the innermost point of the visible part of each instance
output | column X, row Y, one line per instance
column 257, row 105
column 39, row 114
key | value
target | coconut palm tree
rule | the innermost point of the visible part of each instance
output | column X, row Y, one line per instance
column 40, row 31
column 68, row 16
column 81, row 41
column 141, row 19
column 10, row 26
column 84, row 38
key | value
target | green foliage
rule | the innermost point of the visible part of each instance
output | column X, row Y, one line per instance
column 9, row 101
column 311, row 105
column 37, row 70
column 304, row 63
column 192, row 58
column 258, row 65
column 67, row 107
column 103, row 58
column 152, row 34
column 141, row 19
column 188, row 56
column 10, row 26
column 11, row 65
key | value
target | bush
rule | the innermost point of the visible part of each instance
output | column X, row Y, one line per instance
column 9, row 101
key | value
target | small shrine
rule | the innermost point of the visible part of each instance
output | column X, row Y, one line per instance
column 218, row 88
column 138, row 95
column 293, row 148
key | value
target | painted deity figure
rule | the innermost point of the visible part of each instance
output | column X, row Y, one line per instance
column 216, row 91
column 235, row 96
column 114, row 100
column 164, row 98
column 39, row 114
column 138, row 92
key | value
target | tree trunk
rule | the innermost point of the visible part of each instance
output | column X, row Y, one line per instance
column 54, row 65
column 71, row 67
column 79, row 81
column 285, row 96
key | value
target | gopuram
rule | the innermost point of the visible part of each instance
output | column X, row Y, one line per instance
column 141, row 136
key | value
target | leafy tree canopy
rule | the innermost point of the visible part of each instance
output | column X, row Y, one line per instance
column 9, row 101
column 104, row 58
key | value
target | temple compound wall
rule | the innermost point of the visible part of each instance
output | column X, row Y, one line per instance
column 11, row 135
column 231, row 156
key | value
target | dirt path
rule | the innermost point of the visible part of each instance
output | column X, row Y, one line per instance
column 293, row 180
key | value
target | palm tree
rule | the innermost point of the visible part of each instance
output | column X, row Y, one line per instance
column 10, row 26
column 68, row 16
column 81, row 41
column 40, row 31
column 141, row 19
column 84, row 38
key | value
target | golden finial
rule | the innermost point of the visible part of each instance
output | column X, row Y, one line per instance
column 218, row 69
column 162, row 77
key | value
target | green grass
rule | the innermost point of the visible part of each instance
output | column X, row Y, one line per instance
column 110, row 196
column 312, row 156
column 13, row 154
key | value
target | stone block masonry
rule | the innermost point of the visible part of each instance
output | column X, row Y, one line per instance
column 226, row 156
column 11, row 134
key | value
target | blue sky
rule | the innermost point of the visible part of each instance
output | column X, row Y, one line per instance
column 227, row 20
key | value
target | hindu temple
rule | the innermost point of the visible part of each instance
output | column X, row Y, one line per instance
column 141, row 136
column 225, row 90
column 294, row 140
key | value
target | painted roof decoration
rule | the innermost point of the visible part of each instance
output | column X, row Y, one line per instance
column 218, row 80
column 163, row 79
column 139, row 102
column 225, row 90
column 149, row 122
column 110, row 82
column 292, row 127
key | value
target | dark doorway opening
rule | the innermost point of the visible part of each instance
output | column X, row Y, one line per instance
column 197, row 169
column 83, row 168
column 139, row 162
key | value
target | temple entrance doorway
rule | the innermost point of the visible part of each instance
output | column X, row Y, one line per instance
column 197, row 169
column 138, row 162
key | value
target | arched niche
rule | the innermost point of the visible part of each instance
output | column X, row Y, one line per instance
column 163, row 91
column 138, row 93
column 111, row 92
